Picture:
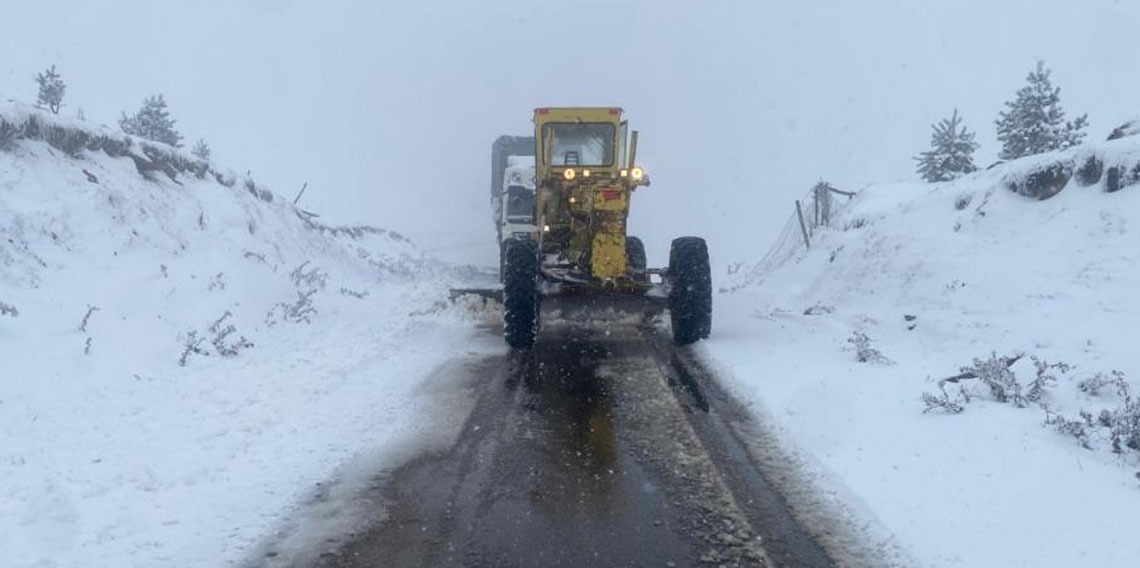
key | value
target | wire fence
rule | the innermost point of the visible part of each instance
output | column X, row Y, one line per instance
column 813, row 210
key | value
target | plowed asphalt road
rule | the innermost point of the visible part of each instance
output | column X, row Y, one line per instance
column 605, row 445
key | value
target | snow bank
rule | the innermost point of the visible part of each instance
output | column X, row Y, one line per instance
column 918, row 280
column 183, row 355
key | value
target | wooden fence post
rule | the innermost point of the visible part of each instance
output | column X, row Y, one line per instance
column 302, row 192
column 825, row 208
column 803, row 228
column 815, row 204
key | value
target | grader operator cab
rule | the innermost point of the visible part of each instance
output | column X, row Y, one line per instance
column 586, row 173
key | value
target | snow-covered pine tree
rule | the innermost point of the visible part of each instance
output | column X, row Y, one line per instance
column 152, row 121
column 1034, row 121
column 51, row 90
column 201, row 150
column 951, row 151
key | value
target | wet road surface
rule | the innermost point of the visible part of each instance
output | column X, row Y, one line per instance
column 604, row 446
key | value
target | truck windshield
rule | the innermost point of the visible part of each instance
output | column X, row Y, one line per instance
column 520, row 204
column 580, row 144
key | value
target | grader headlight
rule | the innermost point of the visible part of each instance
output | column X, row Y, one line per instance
column 568, row 173
column 637, row 174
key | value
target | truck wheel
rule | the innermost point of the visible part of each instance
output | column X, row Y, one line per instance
column 690, row 296
column 520, row 293
column 635, row 258
column 502, row 262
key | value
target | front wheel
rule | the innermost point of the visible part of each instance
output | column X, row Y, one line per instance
column 520, row 293
column 690, row 295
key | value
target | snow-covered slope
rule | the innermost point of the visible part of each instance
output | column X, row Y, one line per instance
column 920, row 279
column 182, row 354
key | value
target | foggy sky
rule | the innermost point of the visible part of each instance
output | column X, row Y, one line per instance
column 388, row 109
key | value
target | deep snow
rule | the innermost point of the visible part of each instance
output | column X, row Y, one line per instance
column 979, row 269
column 112, row 453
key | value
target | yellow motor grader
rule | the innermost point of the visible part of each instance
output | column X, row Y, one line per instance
column 586, row 173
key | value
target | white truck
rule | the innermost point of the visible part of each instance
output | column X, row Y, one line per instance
column 512, row 188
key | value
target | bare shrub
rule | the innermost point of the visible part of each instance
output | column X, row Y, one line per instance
column 192, row 345
column 221, row 333
column 1120, row 425
column 1081, row 429
column 945, row 403
column 308, row 283
column 9, row 310
column 864, row 353
column 87, row 317
column 1098, row 383
column 350, row 292
column 354, row 232
column 300, row 311
column 995, row 373
column 1044, row 378
column 1124, row 424
column 313, row 279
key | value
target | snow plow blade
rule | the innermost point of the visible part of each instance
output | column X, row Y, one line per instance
column 495, row 294
column 572, row 300
column 612, row 306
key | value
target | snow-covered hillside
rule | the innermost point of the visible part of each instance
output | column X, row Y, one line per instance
column 182, row 354
column 919, row 280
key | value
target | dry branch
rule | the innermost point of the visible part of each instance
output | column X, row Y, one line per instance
column 87, row 317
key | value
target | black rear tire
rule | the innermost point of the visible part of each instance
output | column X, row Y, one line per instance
column 502, row 262
column 690, row 295
column 635, row 259
column 520, row 293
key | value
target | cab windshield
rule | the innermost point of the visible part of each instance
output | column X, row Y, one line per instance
column 579, row 144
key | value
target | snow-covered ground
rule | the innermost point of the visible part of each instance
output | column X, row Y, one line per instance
column 138, row 429
column 935, row 275
column 155, row 435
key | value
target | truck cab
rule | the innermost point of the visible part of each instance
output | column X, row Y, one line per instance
column 514, row 207
column 513, row 189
